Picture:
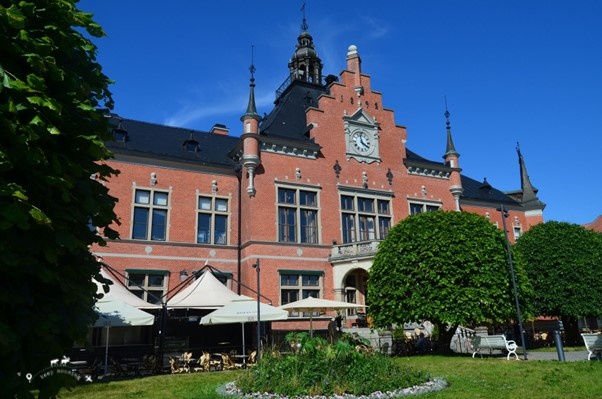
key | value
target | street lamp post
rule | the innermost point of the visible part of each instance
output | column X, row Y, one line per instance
column 256, row 267
column 504, row 213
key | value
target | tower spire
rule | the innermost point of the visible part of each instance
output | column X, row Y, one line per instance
column 450, row 149
column 529, row 197
column 251, row 108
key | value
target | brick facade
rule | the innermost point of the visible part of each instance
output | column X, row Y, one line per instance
column 310, row 142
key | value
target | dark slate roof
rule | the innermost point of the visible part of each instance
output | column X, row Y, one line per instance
column 484, row 192
column 412, row 156
column 473, row 189
column 167, row 143
column 287, row 119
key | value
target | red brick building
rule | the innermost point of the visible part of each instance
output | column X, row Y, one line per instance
column 308, row 190
column 596, row 225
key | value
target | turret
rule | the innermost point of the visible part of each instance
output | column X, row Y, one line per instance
column 250, row 136
column 451, row 158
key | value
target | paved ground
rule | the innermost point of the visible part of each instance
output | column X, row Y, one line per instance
column 568, row 356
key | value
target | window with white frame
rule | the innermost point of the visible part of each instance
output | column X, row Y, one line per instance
column 365, row 218
column 149, row 285
column 150, row 215
column 212, row 221
column 297, row 215
column 421, row 207
column 517, row 232
column 297, row 285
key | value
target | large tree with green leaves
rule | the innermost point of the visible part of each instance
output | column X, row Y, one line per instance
column 564, row 263
column 447, row 267
column 51, row 183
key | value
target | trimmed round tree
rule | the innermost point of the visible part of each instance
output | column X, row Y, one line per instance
column 564, row 263
column 450, row 268
column 51, row 186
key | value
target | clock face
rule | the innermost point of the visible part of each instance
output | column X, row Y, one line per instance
column 361, row 141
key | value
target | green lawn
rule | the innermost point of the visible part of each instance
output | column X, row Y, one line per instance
column 468, row 378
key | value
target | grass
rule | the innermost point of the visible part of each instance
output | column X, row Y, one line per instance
column 468, row 378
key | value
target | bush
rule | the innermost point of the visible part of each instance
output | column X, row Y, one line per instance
column 316, row 367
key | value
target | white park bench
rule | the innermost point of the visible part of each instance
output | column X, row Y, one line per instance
column 492, row 342
column 593, row 343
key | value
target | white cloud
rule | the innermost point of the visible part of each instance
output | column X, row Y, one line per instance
column 194, row 112
column 375, row 28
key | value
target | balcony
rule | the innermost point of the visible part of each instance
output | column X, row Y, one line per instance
column 354, row 250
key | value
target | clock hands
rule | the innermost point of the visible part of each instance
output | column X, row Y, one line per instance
column 362, row 141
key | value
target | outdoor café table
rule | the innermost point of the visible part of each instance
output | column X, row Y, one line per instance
column 132, row 365
column 240, row 358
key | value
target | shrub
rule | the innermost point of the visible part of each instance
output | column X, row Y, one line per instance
column 316, row 367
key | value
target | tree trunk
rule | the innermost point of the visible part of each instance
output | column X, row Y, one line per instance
column 571, row 331
column 445, row 337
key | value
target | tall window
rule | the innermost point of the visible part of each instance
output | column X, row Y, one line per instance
column 149, row 285
column 150, row 215
column 296, row 285
column 297, row 216
column 212, row 223
column 365, row 218
column 416, row 207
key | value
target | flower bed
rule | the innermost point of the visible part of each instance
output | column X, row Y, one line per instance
column 349, row 368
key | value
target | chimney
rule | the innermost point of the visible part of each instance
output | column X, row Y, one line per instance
column 218, row 128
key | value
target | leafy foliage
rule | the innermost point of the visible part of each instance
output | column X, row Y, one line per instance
column 319, row 368
column 564, row 262
column 51, row 183
column 446, row 267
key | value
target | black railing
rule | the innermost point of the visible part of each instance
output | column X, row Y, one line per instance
column 324, row 80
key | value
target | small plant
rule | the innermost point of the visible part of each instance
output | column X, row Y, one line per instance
column 316, row 367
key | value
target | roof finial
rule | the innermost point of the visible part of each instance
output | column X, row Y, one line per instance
column 304, row 26
column 252, row 67
column 447, row 114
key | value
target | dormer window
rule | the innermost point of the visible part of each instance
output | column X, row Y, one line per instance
column 485, row 186
column 120, row 135
column 191, row 145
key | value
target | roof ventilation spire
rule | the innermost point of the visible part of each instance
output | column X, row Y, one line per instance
column 529, row 192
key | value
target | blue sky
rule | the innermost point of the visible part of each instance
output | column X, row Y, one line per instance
column 527, row 71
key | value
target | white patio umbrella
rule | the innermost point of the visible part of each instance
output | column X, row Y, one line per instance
column 311, row 305
column 114, row 310
column 243, row 310
column 206, row 292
